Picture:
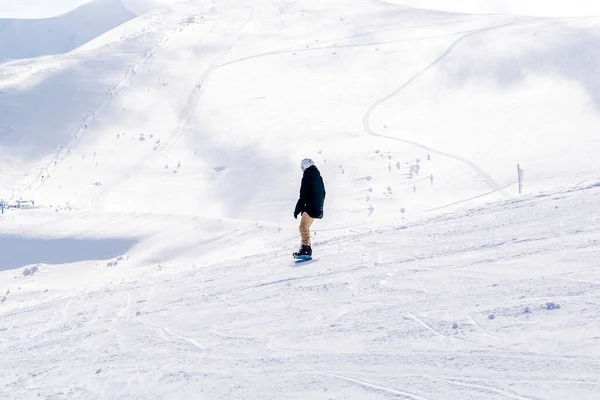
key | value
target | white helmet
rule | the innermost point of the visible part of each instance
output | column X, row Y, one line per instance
column 307, row 162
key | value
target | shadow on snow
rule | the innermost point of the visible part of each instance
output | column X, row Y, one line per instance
column 18, row 251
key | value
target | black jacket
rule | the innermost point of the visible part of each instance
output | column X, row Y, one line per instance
column 312, row 194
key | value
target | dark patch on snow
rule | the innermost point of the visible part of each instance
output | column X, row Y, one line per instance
column 29, row 271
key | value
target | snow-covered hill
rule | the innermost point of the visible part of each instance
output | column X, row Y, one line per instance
column 27, row 38
column 163, row 159
column 212, row 89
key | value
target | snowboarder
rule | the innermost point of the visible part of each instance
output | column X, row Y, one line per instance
column 310, row 203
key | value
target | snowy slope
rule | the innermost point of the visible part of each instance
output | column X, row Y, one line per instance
column 163, row 157
column 453, row 306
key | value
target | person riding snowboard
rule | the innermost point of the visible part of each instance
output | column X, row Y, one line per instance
column 310, row 203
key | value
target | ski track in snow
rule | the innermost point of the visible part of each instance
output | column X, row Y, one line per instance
column 481, row 327
column 191, row 341
column 469, row 199
column 310, row 47
column 127, row 306
column 490, row 389
column 435, row 331
column 375, row 387
column 366, row 119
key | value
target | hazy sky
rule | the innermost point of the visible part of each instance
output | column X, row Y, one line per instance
column 37, row 8
column 542, row 8
column 52, row 8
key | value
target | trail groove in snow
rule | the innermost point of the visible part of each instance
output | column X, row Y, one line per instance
column 375, row 387
column 490, row 389
column 481, row 327
column 435, row 331
column 305, row 49
column 193, row 342
column 366, row 119
column 126, row 307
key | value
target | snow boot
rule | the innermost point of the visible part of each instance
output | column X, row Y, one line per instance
column 305, row 250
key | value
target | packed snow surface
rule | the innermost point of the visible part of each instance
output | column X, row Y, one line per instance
column 154, row 151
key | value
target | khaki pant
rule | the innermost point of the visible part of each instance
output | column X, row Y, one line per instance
column 305, row 224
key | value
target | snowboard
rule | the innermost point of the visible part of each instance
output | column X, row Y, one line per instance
column 300, row 259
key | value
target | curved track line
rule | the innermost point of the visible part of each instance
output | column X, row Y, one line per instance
column 186, row 339
column 303, row 49
column 236, row 337
column 376, row 387
column 488, row 389
column 490, row 181
column 481, row 327
column 123, row 310
column 438, row 333
column 469, row 199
